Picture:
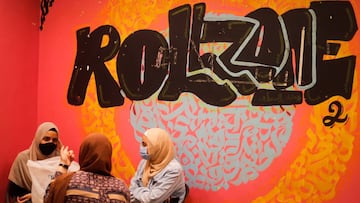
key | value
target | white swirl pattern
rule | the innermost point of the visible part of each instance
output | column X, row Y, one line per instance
column 218, row 146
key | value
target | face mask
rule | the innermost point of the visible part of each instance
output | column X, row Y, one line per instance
column 143, row 152
column 47, row 148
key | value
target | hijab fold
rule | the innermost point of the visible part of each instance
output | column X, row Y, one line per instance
column 161, row 152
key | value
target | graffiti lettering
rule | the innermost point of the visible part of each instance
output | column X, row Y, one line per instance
column 284, row 51
column 330, row 120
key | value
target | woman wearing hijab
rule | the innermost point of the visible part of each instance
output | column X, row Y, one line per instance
column 159, row 177
column 93, row 182
column 46, row 144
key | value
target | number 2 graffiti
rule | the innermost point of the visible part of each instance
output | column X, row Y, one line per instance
column 286, row 51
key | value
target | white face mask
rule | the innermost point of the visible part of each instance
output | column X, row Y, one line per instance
column 143, row 152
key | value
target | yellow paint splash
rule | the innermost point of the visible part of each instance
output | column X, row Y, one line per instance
column 97, row 119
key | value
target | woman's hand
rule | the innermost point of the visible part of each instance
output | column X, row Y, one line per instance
column 24, row 198
column 66, row 155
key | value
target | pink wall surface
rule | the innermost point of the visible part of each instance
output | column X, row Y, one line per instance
column 19, row 43
column 236, row 143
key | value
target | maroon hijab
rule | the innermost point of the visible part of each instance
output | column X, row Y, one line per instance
column 94, row 156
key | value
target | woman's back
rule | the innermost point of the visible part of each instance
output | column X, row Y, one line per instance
column 91, row 187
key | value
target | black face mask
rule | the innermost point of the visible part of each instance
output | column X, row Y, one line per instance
column 47, row 148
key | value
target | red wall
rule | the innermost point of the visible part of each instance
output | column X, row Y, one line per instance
column 19, row 53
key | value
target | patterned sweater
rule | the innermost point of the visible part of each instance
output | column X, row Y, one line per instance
column 92, row 187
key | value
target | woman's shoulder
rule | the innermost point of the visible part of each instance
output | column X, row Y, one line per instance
column 87, row 174
column 174, row 165
column 173, row 169
column 23, row 155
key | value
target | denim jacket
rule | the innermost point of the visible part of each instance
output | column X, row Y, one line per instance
column 168, row 183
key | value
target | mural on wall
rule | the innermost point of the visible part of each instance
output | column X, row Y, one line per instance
column 44, row 8
column 233, row 86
